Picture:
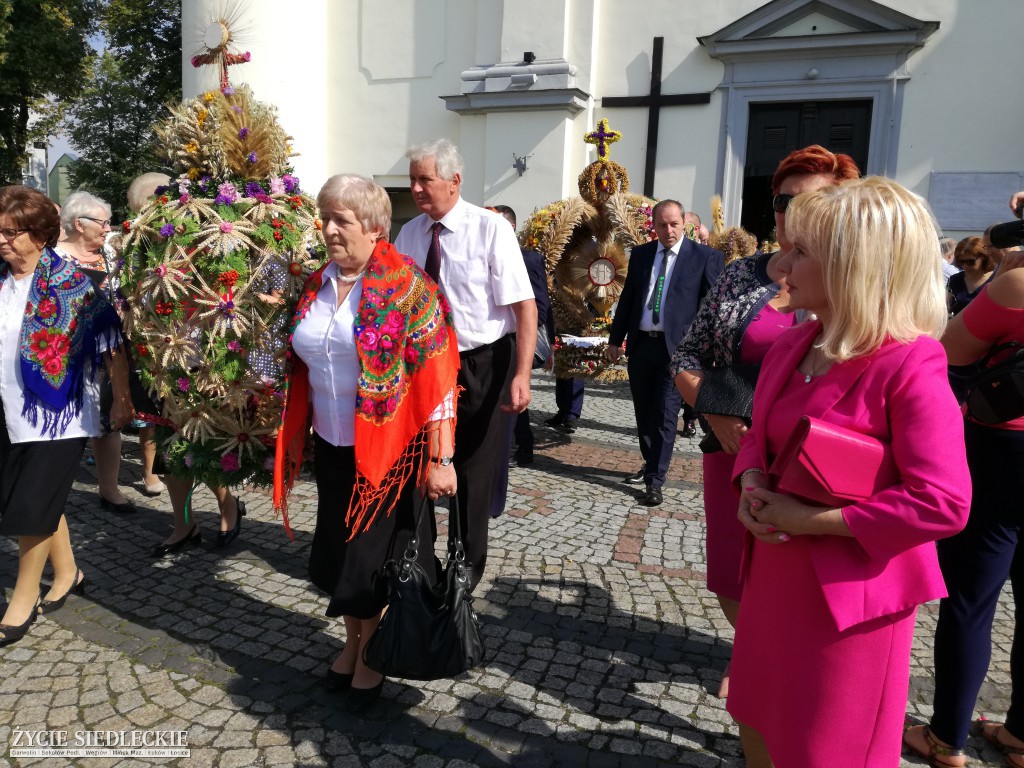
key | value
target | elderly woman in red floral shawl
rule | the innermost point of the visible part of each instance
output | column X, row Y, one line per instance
column 373, row 364
column 54, row 329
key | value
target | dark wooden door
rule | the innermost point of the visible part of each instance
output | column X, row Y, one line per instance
column 777, row 128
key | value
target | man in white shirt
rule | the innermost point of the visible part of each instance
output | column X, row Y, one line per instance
column 473, row 255
column 664, row 286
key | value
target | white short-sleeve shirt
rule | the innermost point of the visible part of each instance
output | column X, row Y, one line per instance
column 482, row 270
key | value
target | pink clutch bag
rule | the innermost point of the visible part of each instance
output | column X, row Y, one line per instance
column 833, row 466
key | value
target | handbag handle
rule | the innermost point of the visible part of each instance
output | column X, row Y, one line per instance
column 456, row 549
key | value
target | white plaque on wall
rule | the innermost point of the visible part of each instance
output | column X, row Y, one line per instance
column 972, row 201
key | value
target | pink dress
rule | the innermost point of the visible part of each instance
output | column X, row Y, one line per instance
column 725, row 533
column 815, row 694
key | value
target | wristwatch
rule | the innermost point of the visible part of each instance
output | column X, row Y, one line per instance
column 444, row 461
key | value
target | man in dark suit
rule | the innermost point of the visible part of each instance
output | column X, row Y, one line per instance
column 664, row 286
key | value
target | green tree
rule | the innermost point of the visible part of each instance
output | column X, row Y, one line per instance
column 137, row 74
column 44, row 63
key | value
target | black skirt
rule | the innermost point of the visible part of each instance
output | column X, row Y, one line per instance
column 352, row 572
column 35, row 480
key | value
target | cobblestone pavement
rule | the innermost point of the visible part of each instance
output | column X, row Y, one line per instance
column 604, row 647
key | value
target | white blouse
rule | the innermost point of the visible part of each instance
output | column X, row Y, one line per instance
column 13, row 297
column 325, row 342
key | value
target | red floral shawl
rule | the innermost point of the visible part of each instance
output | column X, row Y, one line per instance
column 408, row 363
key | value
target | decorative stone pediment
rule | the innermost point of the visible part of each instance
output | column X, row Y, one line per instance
column 517, row 86
column 811, row 27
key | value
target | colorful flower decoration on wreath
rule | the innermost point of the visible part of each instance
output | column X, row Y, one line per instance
column 198, row 261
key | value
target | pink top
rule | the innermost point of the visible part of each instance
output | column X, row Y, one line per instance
column 901, row 396
column 995, row 324
column 762, row 333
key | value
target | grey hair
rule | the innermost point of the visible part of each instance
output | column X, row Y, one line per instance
column 364, row 197
column 446, row 157
column 144, row 187
column 79, row 205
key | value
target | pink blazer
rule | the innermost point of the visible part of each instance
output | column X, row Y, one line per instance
column 900, row 395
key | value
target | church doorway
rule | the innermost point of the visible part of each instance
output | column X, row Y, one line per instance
column 777, row 128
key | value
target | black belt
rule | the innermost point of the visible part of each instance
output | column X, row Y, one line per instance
column 653, row 334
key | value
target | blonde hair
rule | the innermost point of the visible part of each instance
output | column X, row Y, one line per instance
column 878, row 247
column 365, row 198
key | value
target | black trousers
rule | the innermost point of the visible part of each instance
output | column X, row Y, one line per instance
column 975, row 564
column 481, row 443
column 656, row 403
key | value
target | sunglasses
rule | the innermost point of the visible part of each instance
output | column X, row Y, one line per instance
column 781, row 202
column 101, row 222
column 965, row 262
column 10, row 234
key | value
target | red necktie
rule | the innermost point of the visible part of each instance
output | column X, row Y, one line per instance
column 433, row 265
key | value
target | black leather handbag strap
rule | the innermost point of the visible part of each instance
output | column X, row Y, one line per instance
column 456, row 549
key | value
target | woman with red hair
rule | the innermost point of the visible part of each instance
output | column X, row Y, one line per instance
column 724, row 334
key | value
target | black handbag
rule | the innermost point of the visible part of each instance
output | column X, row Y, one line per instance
column 727, row 391
column 427, row 633
column 996, row 394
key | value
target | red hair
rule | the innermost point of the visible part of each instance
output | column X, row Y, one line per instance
column 815, row 159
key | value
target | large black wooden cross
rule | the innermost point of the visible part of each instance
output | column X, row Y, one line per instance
column 654, row 102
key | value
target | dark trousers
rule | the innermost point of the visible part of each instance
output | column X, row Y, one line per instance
column 481, row 442
column 975, row 564
column 656, row 403
column 523, row 433
column 569, row 397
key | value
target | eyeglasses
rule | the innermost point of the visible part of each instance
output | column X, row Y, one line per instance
column 10, row 234
column 101, row 222
column 781, row 202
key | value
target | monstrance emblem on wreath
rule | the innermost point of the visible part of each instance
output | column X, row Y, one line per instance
column 585, row 242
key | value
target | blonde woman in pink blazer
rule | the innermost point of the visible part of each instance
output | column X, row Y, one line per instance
column 820, row 665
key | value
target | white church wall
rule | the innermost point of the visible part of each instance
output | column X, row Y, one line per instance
column 372, row 74
column 963, row 110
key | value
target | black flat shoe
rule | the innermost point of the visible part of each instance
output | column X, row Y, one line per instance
column 226, row 537
column 361, row 699
column 337, row 682
column 193, row 537
column 124, row 508
column 10, row 634
column 78, row 588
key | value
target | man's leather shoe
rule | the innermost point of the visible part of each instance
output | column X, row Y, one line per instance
column 652, row 498
column 637, row 478
column 555, row 421
column 689, row 429
column 521, row 459
column 568, row 425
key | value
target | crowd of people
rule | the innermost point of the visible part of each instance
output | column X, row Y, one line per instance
column 410, row 374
